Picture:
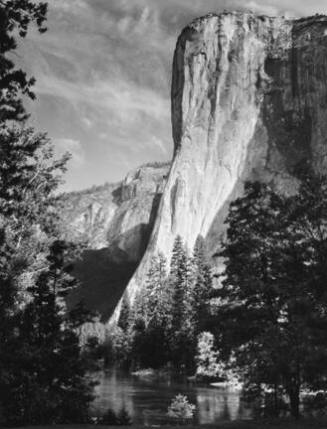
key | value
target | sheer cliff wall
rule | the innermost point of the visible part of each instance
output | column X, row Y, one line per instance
column 249, row 102
column 115, row 220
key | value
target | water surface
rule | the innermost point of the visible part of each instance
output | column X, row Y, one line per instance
column 147, row 400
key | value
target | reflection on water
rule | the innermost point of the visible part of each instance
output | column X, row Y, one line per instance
column 147, row 400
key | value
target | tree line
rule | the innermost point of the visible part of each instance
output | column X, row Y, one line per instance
column 43, row 369
column 272, row 313
column 173, row 308
column 265, row 321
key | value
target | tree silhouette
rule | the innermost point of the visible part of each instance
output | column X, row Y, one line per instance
column 16, row 16
column 273, row 300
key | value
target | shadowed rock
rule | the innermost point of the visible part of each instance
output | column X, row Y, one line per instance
column 116, row 221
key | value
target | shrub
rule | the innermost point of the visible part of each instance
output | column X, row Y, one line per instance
column 181, row 409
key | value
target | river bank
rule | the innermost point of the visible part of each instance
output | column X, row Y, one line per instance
column 146, row 399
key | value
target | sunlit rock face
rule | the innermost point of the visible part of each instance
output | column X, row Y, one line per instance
column 118, row 216
column 249, row 102
column 116, row 221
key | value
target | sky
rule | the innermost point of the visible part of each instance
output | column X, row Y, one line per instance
column 103, row 75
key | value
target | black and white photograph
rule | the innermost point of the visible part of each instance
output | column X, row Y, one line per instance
column 163, row 214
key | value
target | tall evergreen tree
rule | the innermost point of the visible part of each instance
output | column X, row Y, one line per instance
column 153, row 318
column 156, row 292
column 202, row 289
column 272, row 316
column 44, row 362
column 36, row 332
column 182, row 337
column 28, row 178
column 124, row 315
column 179, row 280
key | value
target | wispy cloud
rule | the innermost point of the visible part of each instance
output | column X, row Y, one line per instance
column 261, row 8
column 103, row 74
column 74, row 147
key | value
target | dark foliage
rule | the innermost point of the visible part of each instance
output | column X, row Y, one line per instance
column 42, row 367
column 16, row 16
column 122, row 418
column 273, row 301
column 44, row 378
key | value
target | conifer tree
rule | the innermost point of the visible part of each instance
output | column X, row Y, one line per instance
column 47, row 368
column 273, row 300
column 28, row 178
column 179, row 281
column 156, row 292
column 202, row 289
column 182, row 337
column 124, row 315
column 36, row 332
column 153, row 317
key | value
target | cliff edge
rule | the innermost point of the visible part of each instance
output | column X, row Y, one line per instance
column 249, row 102
column 115, row 221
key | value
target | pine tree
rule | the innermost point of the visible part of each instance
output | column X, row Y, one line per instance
column 47, row 368
column 273, row 300
column 42, row 372
column 182, row 337
column 153, row 318
column 28, row 178
column 202, row 289
column 124, row 315
column 155, row 294
column 179, row 281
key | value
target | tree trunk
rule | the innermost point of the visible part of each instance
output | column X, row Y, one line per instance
column 294, row 395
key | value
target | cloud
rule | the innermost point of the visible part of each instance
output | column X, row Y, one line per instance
column 74, row 147
column 262, row 8
column 295, row 8
column 160, row 144
column 103, row 74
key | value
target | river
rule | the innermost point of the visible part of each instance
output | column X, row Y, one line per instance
column 147, row 399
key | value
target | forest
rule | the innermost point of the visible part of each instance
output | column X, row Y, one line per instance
column 261, row 322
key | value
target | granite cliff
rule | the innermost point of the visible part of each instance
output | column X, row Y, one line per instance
column 249, row 102
column 115, row 220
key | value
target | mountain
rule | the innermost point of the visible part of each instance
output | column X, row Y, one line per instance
column 115, row 220
column 249, row 102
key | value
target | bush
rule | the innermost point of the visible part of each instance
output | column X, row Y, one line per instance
column 181, row 409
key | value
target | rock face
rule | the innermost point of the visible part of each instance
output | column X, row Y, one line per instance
column 116, row 221
column 116, row 216
column 249, row 102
